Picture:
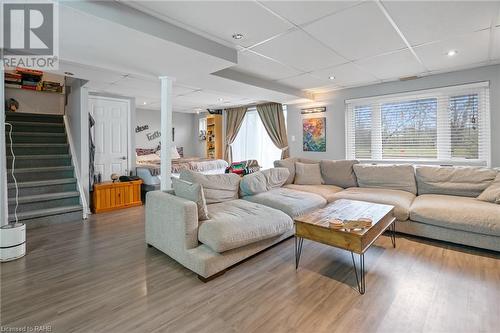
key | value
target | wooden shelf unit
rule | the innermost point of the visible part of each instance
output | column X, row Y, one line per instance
column 108, row 196
column 214, row 136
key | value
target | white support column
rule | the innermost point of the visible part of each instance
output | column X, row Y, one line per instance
column 166, row 132
column 4, row 218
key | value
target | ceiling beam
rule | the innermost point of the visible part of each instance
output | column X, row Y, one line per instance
column 235, row 75
column 132, row 18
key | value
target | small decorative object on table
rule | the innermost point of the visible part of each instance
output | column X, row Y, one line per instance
column 361, row 223
column 114, row 177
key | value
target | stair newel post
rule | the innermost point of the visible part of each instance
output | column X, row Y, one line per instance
column 166, row 131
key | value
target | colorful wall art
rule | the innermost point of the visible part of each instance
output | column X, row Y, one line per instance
column 314, row 134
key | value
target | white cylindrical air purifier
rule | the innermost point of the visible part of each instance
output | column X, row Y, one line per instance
column 12, row 241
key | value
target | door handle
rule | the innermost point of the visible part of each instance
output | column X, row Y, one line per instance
column 123, row 158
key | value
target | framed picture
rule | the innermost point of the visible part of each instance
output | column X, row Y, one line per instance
column 314, row 134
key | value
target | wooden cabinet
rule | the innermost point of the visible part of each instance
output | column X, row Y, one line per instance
column 214, row 136
column 109, row 196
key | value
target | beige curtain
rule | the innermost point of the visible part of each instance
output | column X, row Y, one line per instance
column 274, row 122
column 234, row 119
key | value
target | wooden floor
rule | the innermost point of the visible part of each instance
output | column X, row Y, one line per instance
column 99, row 276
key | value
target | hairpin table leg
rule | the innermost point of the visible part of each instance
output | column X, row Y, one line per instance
column 298, row 250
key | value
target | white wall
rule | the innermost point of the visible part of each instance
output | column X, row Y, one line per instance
column 335, row 105
column 186, row 130
column 78, row 128
column 3, row 160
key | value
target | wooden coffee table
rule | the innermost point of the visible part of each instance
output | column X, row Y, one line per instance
column 315, row 226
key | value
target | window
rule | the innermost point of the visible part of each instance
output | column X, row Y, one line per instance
column 447, row 125
column 253, row 142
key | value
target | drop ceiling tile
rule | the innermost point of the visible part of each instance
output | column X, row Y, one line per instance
column 428, row 21
column 392, row 65
column 358, row 32
column 300, row 12
column 257, row 65
column 472, row 48
column 300, row 51
column 221, row 19
column 346, row 75
column 304, row 81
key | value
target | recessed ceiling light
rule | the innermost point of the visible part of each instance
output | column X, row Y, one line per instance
column 221, row 99
column 237, row 36
column 452, row 53
column 144, row 103
column 331, row 77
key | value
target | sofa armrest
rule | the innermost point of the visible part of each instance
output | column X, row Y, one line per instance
column 171, row 222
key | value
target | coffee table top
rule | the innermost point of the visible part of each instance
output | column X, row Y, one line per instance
column 344, row 209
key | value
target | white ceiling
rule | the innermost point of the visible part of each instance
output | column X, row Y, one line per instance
column 358, row 42
column 299, row 44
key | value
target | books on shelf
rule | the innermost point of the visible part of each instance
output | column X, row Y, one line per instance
column 27, row 71
column 12, row 85
column 31, row 80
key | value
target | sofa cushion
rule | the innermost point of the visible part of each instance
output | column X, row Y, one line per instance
column 288, row 163
column 217, row 187
column 307, row 160
column 339, row 173
column 193, row 192
column 461, row 181
column 237, row 223
column 291, row 202
column 401, row 200
column 276, row 177
column 454, row 212
column 394, row 177
column 253, row 183
column 307, row 174
column 492, row 192
column 262, row 181
column 326, row 191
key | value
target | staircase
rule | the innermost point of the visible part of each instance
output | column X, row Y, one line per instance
column 48, row 191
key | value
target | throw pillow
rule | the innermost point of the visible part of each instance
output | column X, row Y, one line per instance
column 192, row 192
column 253, row 183
column 339, row 173
column 307, row 174
column 492, row 192
column 276, row 177
column 217, row 188
column 288, row 163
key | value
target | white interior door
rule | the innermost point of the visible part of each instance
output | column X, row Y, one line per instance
column 111, row 135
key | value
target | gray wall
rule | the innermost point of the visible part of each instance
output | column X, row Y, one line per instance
column 185, row 124
column 335, row 105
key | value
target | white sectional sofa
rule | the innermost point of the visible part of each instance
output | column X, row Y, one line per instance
column 434, row 202
column 430, row 201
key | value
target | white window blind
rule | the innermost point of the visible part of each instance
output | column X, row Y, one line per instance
column 446, row 126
